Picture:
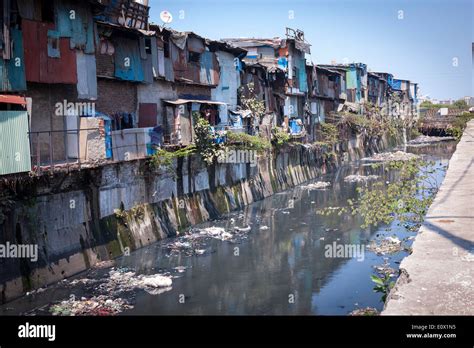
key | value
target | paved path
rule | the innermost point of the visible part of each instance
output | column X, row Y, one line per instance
column 438, row 277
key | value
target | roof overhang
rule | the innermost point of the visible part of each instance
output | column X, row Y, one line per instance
column 12, row 99
column 186, row 101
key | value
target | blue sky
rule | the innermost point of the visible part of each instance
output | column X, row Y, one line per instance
column 423, row 46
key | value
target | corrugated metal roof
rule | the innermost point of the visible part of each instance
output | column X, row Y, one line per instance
column 328, row 70
column 127, row 29
column 185, row 101
column 243, row 113
column 253, row 42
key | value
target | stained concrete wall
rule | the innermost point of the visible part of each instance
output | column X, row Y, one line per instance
column 83, row 217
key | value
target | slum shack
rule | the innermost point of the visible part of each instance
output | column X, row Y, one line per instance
column 182, row 115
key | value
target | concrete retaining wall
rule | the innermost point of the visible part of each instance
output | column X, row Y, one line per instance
column 83, row 217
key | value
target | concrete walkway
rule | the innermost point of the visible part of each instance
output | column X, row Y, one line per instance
column 438, row 277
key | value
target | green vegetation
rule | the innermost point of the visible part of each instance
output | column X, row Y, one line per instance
column 373, row 124
column 328, row 133
column 414, row 132
column 406, row 199
column 206, row 145
column 248, row 100
column 458, row 104
column 457, row 127
column 165, row 158
column 280, row 137
column 383, row 284
column 247, row 142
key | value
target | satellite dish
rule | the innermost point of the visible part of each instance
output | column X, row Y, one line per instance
column 166, row 17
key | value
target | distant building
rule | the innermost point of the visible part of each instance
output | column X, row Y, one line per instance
column 469, row 101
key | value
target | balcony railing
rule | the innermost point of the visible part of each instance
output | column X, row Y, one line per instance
column 57, row 149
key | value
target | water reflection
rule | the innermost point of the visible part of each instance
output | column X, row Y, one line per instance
column 284, row 262
column 278, row 270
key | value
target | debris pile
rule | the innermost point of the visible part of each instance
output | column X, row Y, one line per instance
column 385, row 270
column 391, row 156
column 195, row 242
column 107, row 293
column 217, row 233
column 320, row 185
column 369, row 311
column 123, row 280
column 388, row 245
column 120, row 281
column 360, row 178
column 95, row 306
column 423, row 140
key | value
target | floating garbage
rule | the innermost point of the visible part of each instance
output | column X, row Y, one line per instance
column 243, row 229
column 195, row 241
column 156, row 281
column 104, row 264
column 122, row 281
column 264, row 228
column 180, row 269
column 95, row 306
column 360, row 178
column 212, row 231
column 369, row 311
column 217, row 233
column 320, row 185
column 107, row 293
column 388, row 245
column 391, row 156
column 34, row 292
column 385, row 270
column 423, row 140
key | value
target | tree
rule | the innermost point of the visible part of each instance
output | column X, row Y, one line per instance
column 460, row 104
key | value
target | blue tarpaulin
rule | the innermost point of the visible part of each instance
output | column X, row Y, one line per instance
column 236, row 121
column 283, row 63
column 296, row 126
column 396, row 84
column 218, row 138
column 128, row 64
column 12, row 71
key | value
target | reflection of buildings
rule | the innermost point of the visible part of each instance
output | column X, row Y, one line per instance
column 288, row 258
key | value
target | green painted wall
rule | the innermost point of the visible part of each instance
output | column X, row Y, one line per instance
column 14, row 142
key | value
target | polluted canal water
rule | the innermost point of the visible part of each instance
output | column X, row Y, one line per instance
column 275, row 257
